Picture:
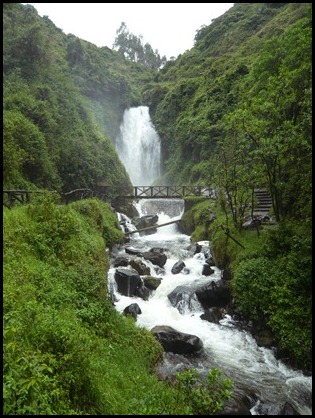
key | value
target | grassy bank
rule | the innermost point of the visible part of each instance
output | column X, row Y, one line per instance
column 66, row 349
column 271, row 274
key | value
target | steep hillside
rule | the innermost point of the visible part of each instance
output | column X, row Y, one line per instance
column 63, row 102
column 191, row 95
column 234, row 112
column 109, row 83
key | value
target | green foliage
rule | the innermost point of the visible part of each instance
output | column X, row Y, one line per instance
column 55, row 306
column 200, row 233
column 26, row 157
column 236, row 173
column 277, row 285
column 252, row 283
column 204, row 396
column 61, row 109
column 131, row 47
column 246, row 124
column 67, row 351
column 197, row 217
column 274, row 123
column 234, row 111
column 272, row 279
column 102, row 216
column 108, row 93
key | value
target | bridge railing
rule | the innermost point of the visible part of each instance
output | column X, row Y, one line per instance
column 167, row 192
column 10, row 197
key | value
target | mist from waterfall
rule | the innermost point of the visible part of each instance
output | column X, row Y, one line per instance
column 138, row 146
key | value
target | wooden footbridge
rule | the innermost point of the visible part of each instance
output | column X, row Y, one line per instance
column 10, row 197
column 166, row 192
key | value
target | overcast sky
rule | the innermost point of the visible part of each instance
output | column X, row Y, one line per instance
column 168, row 27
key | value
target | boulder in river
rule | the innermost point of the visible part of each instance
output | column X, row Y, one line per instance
column 177, row 342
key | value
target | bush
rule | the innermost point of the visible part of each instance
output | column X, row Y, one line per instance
column 251, row 286
column 277, row 285
column 204, row 396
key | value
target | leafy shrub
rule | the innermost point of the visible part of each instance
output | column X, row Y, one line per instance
column 277, row 285
column 204, row 396
column 103, row 216
column 251, row 286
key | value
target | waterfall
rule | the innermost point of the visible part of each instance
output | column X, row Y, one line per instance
column 138, row 146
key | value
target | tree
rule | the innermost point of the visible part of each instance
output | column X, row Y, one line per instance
column 133, row 48
column 274, row 118
column 237, row 173
column 26, row 157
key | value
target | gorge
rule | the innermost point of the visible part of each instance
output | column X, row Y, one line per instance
column 264, row 385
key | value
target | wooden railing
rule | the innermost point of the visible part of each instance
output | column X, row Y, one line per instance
column 10, row 197
column 167, row 192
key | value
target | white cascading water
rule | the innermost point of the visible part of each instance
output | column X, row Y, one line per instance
column 254, row 369
column 138, row 146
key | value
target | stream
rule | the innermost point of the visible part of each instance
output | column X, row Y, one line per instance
column 268, row 385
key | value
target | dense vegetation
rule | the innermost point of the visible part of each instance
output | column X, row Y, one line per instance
column 66, row 349
column 64, row 99
column 271, row 268
column 233, row 112
column 272, row 281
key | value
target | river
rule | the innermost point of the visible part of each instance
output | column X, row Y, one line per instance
column 257, row 374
